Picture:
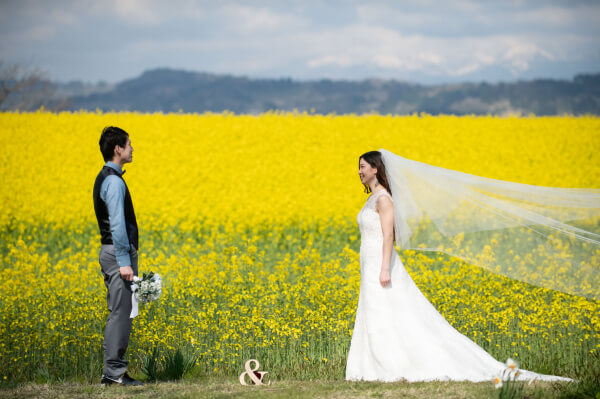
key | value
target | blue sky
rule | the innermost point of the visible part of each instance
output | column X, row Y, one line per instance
column 419, row 41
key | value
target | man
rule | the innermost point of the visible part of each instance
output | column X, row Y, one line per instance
column 118, row 254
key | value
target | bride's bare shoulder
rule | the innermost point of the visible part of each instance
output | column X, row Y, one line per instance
column 384, row 201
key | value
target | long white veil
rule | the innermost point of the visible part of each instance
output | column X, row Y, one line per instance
column 516, row 230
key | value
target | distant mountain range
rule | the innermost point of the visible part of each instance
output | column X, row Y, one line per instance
column 170, row 90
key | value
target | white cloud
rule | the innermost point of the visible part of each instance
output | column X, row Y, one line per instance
column 367, row 46
column 560, row 17
column 149, row 12
column 137, row 11
column 35, row 25
column 251, row 20
column 308, row 39
column 132, row 12
column 341, row 61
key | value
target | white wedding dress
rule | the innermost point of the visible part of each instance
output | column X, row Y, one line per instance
column 398, row 334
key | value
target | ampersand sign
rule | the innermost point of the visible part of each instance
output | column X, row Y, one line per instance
column 255, row 376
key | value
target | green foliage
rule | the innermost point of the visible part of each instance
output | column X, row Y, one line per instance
column 169, row 365
column 587, row 380
column 177, row 364
column 150, row 364
column 510, row 389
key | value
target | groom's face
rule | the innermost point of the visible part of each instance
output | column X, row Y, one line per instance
column 125, row 153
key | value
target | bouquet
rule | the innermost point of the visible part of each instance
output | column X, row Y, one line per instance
column 148, row 288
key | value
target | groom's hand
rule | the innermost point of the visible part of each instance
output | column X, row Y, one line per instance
column 126, row 273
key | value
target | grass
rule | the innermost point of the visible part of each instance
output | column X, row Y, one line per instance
column 225, row 388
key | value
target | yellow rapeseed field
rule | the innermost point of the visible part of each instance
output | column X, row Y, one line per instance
column 251, row 222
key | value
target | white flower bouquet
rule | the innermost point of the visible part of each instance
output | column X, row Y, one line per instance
column 147, row 288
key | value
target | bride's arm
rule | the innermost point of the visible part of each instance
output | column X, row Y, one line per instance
column 386, row 216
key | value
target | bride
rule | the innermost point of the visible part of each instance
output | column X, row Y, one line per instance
column 398, row 334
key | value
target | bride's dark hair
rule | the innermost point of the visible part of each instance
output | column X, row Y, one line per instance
column 373, row 158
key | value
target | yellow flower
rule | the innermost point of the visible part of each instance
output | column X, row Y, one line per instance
column 255, row 259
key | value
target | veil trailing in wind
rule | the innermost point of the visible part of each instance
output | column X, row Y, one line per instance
column 513, row 229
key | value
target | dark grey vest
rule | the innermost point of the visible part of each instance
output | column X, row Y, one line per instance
column 102, row 211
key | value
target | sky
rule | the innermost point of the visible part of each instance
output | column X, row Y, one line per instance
column 421, row 41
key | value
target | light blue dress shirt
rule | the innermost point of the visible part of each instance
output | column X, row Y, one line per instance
column 112, row 192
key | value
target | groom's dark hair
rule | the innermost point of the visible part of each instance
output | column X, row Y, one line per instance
column 112, row 136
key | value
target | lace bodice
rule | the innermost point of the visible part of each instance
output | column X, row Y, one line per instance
column 368, row 220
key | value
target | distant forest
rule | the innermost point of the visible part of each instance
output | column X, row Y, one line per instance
column 170, row 90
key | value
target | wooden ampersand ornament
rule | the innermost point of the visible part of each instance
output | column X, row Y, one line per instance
column 255, row 376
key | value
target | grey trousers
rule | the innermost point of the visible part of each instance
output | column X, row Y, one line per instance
column 118, row 324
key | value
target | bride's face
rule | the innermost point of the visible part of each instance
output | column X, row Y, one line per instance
column 366, row 172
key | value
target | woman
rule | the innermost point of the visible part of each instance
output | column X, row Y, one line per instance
column 398, row 334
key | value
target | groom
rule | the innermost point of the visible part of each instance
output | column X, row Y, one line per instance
column 118, row 254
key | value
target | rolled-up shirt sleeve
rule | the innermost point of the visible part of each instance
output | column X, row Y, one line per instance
column 112, row 193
